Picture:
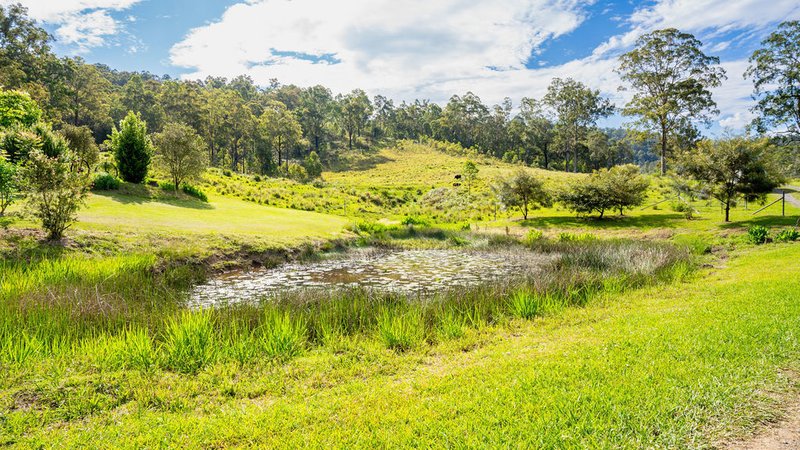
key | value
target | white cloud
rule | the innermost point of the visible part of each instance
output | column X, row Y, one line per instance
column 80, row 23
column 415, row 48
column 709, row 17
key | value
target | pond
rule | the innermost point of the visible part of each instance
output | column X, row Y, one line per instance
column 414, row 273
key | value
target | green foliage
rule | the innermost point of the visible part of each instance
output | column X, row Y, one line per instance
column 189, row 342
column 106, row 182
column 470, row 173
column 757, row 234
column 618, row 188
column 787, row 235
column 181, row 152
column 17, row 108
column 54, row 192
column 81, row 141
column 194, row 191
column 8, row 184
column 773, row 69
column 17, row 143
column 413, row 220
column 132, row 148
column 576, row 237
column 533, row 237
column 296, row 172
column 672, row 80
column 733, row 168
column 313, row 165
column 523, row 191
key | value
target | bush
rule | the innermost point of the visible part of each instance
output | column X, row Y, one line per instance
column 105, row 182
column 787, row 235
column 757, row 234
column 132, row 148
column 8, row 186
column 189, row 343
column 570, row 237
column 227, row 173
column 411, row 220
column 167, row 186
column 195, row 192
column 533, row 236
column 53, row 191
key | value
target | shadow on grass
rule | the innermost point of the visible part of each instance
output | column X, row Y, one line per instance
column 765, row 220
column 668, row 220
column 127, row 199
column 361, row 163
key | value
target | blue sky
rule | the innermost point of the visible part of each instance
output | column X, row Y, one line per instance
column 408, row 49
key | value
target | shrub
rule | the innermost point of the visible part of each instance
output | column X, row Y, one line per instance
column 189, row 343
column 8, row 185
column 412, row 220
column 757, row 234
column 533, row 236
column 195, row 192
column 105, row 182
column 167, row 186
column 132, row 148
column 282, row 337
column 571, row 237
column 54, row 192
column 227, row 173
column 313, row 165
column 787, row 235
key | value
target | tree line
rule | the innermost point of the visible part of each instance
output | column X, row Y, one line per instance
column 255, row 129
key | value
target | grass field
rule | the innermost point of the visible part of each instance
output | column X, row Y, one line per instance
column 688, row 365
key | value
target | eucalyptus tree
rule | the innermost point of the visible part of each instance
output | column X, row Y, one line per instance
column 181, row 152
column 353, row 113
column 537, row 131
column 86, row 95
column 577, row 108
column 775, row 71
column 280, row 129
column 671, row 79
column 314, row 112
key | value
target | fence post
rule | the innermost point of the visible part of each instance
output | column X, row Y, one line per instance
column 783, row 203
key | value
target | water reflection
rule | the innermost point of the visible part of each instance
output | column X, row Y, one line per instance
column 410, row 272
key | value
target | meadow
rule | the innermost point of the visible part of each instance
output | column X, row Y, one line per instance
column 646, row 330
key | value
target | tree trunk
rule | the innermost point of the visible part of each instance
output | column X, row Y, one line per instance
column 663, row 149
column 728, row 210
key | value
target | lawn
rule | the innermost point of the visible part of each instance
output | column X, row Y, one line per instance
column 691, row 364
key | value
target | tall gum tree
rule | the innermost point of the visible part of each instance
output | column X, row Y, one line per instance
column 671, row 79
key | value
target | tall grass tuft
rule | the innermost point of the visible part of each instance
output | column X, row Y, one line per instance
column 400, row 330
column 282, row 338
column 526, row 305
column 189, row 342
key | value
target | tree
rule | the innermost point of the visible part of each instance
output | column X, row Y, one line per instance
column 81, row 141
column 8, row 185
column 625, row 186
column 25, row 57
column 617, row 188
column 281, row 129
column 314, row 112
column 86, row 95
column 537, row 133
column 354, row 110
column 775, row 71
column 733, row 168
column 132, row 148
column 313, row 165
column 53, row 191
column 181, row 152
column 577, row 108
column 17, row 108
column 522, row 191
column 141, row 96
column 671, row 78
column 470, row 174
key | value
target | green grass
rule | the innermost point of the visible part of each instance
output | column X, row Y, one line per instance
column 683, row 366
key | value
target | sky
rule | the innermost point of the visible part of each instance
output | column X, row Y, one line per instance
column 408, row 49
